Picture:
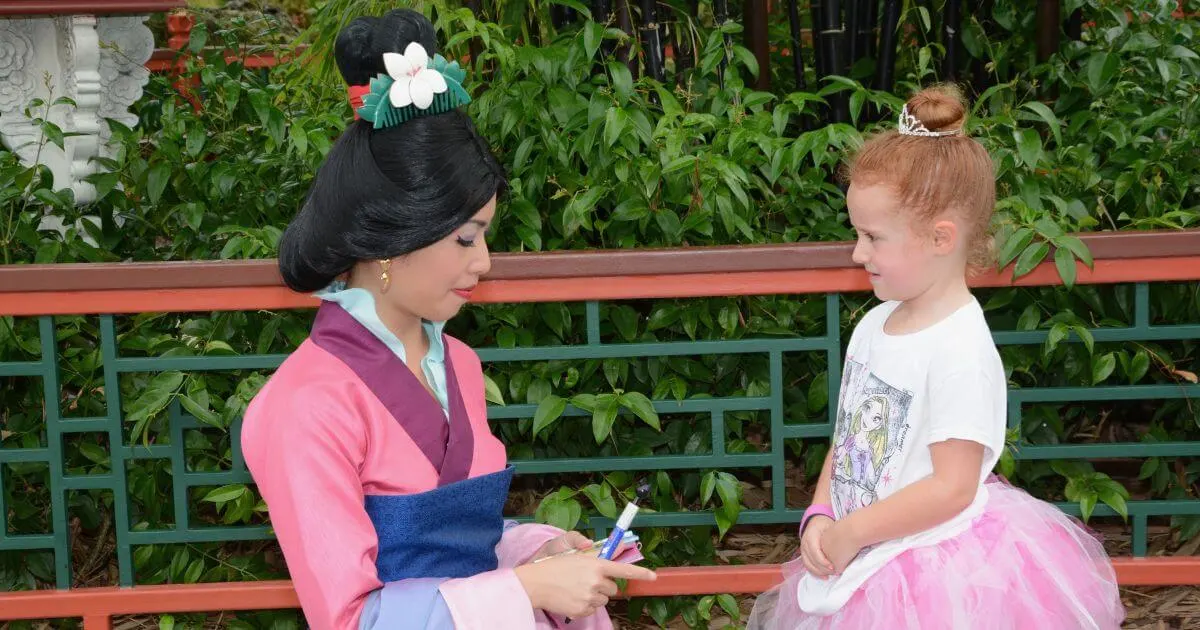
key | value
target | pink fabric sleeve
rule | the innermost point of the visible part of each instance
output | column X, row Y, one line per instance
column 306, row 465
column 520, row 542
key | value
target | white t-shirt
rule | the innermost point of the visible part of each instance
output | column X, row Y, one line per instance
column 900, row 394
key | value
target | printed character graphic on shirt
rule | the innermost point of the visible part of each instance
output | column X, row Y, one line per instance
column 872, row 424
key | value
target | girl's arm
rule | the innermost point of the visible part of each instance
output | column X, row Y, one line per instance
column 822, row 495
column 919, row 506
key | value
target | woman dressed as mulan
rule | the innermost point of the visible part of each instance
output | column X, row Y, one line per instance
column 370, row 444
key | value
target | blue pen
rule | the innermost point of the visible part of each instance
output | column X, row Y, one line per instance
column 618, row 532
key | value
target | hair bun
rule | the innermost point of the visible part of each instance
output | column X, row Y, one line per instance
column 939, row 108
column 360, row 45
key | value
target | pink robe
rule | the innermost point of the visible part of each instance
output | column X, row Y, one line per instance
column 352, row 456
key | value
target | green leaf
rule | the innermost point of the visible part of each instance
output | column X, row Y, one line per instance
column 549, row 410
column 561, row 511
column 1182, row 52
column 537, row 391
column 49, row 197
column 708, row 483
column 1058, row 332
column 1085, row 335
column 818, row 393
column 201, row 412
column 492, row 391
column 104, row 183
column 729, row 605
column 1114, row 497
column 225, row 494
column 615, row 120
column 641, row 406
column 1078, row 248
column 1045, row 114
column 1031, row 258
column 1029, row 146
column 1102, row 367
column 95, row 453
column 1139, row 366
column 601, row 496
column 156, row 181
column 593, row 35
column 622, row 81
column 1064, row 261
column 1087, row 503
column 166, row 622
column 1017, row 242
column 1101, row 67
column 194, row 571
column 1149, row 467
column 1030, row 318
column 1140, row 42
column 604, row 416
column 55, row 134
column 197, row 135
column 747, row 59
column 679, row 164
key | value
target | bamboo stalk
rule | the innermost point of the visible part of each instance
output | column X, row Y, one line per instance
column 885, row 70
column 869, row 25
column 754, row 13
column 625, row 23
column 1049, row 13
column 601, row 10
column 721, row 13
column 854, row 17
column 981, row 79
column 685, row 53
column 833, row 42
column 652, row 41
column 474, row 46
column 951, row 38
column 814, row 9
column 1075, row 25
column 797, row 49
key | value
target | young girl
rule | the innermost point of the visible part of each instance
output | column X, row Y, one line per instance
column 907, row 530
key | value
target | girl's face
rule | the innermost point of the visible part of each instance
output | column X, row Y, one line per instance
column 903, row 264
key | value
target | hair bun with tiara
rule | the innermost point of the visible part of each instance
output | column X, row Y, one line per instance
column 934, row 112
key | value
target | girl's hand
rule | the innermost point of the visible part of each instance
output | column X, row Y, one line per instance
column 810, row 546
column 839, row 546
column 577, row 585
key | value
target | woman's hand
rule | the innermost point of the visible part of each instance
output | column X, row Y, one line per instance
column 840, row 546
column 562, row 544
column 577, row 585
column 810, row 546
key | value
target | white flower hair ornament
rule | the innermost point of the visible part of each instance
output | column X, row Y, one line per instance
column 414, row 85
column 912, row 126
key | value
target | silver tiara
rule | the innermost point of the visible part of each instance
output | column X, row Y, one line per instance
column 912, row 126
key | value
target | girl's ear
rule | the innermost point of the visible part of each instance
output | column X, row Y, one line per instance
column 945, row 237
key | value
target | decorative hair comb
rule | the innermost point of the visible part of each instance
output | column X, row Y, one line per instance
column 414, row 85
column 912, row 126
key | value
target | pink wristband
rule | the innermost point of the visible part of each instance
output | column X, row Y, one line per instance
column 816, row 509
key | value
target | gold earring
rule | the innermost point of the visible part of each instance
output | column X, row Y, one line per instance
column 384, row 276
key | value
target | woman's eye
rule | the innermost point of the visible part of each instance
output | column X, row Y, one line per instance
column 466, row 242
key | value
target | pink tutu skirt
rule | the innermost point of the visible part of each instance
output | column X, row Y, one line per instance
column 1023, row 565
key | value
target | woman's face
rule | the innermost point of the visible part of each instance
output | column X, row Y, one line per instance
column 435, row 282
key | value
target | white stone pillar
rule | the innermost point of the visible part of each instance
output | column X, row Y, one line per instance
column 98, row 62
